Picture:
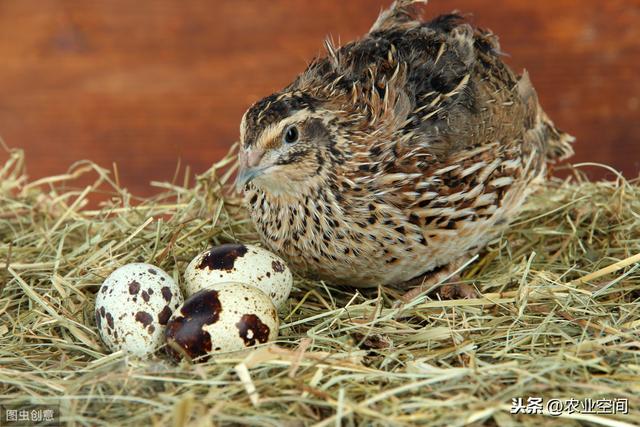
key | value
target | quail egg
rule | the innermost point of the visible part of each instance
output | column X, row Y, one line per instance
column 133, row 307
column 247, row 264
column 227, row 318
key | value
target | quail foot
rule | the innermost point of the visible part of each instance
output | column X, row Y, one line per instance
column 396, row 154
column 438, row 281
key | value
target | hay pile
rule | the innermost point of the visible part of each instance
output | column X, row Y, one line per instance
column 558, row 318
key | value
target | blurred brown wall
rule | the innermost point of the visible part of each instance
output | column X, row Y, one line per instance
column 143, row 83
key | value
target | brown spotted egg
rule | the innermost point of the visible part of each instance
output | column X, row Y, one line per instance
column 133, row 307
column 227, row 318
column 247, row 264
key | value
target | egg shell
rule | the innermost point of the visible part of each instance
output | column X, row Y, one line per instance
column 133, row 307
column 228, row 318
column 246, row 264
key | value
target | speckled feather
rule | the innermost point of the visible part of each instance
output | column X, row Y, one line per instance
column 416, row 144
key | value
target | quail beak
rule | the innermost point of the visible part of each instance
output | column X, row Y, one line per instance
column 249, row 169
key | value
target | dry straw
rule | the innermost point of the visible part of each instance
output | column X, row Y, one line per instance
column 558, row 315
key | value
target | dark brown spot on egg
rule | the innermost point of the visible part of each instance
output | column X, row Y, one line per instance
column 110, row 320
column 164, row 315
column 251, row 329
column 151, row 329
column 145, row 296
column 268, row 274
column 152, row 271
column 102, row 311
column 144, row 318
column 150, row 291
column 185, row 334
column 277, row 266
column 166, row 293
column 134, row 287
column 222, row 257
column 104, row 289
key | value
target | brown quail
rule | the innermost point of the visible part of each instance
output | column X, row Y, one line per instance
column 397, row 154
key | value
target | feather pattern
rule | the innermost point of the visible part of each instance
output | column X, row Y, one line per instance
column 417, row 143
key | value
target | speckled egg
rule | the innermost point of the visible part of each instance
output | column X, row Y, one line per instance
column 227, row 318
column 247, row 264
column 133, row 307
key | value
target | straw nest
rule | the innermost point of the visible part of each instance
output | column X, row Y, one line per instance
column 558, row 316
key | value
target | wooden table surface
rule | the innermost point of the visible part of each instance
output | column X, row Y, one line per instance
column 144, row 83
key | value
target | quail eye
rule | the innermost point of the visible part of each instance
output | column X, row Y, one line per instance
column 291, row 135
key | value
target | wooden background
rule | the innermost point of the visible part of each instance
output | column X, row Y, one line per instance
column 143, row 83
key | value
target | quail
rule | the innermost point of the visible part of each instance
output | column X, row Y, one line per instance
column 396, row 155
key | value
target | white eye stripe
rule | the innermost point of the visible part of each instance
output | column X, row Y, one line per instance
column 243, row 127
column 275, row 130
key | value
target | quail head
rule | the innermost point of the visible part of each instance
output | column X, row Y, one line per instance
column 397, row 154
